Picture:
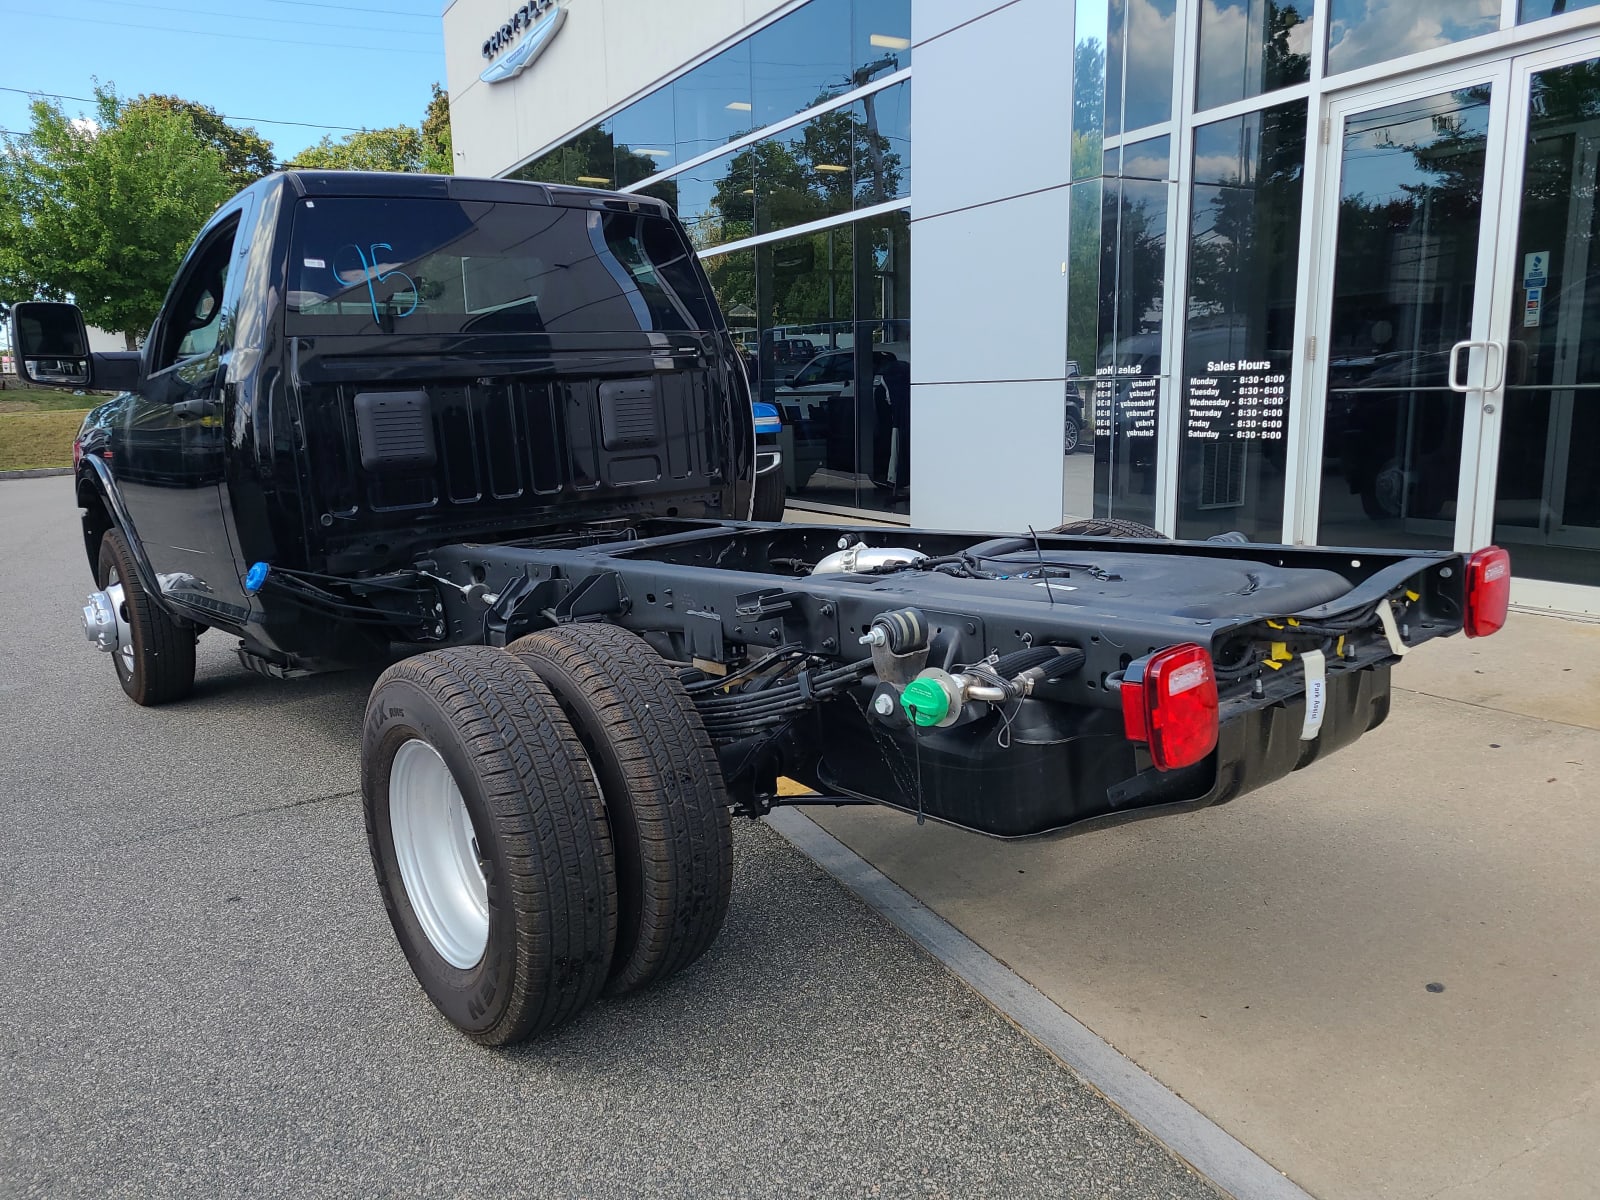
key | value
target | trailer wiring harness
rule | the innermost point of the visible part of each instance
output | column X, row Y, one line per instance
column 768, row 693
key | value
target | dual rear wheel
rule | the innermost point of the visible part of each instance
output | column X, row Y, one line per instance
column 548, row 823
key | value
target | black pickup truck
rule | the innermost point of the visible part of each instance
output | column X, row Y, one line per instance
column 496, row 437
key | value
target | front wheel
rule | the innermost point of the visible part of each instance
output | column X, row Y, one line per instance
column 154, row 654
column 490, row 844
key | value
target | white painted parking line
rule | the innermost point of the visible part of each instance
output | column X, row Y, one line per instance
column 1177, row 1124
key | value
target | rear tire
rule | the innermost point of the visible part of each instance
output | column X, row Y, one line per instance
column 1109, row 527
column 520, row 806
column 663, row 789
column 158, row 667
column 771, row 499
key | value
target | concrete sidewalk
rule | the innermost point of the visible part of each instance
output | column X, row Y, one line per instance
column 1380, row 974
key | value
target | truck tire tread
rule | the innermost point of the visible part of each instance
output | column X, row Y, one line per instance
column 527, row 779
column 1109, row 527
column 662, row 784
column 771, row 498
column 163, row 646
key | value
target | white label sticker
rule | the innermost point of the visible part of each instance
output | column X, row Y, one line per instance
column 1316, row 693
column 1391, row 631
column 316, row 262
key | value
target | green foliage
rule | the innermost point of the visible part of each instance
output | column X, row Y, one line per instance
column 398, row 148
column 426, row 148
column 102, row 211
column 438, row 153
column 246, row 155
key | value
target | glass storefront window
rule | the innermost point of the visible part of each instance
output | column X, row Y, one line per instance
column 880, row 38
column 1089, row 119
column 711, row 104
column 801, row 61
column 1538, row 10
column 806, row 173
column 587, row 160
column 883, row 146
column 1244, row 246
column 1145, row 34
column 855, row 156
column 1128, row 378
column 1117, row 248
column 814, row 314
column 1250, row 47
column 1149, row 159
column 645, row 136
column 716, row 200
column 1362, row 32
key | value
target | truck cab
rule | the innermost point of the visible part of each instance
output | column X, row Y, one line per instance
column 352, row 367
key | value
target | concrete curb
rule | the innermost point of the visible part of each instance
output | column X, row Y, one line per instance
column 1174, row 1122
column 36, row 473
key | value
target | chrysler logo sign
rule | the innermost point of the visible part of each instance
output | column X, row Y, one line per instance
column 512, row 48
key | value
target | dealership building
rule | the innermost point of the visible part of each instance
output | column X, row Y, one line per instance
column 1316, row 271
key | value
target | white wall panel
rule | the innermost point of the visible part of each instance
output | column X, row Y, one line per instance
column 988, row 294
column 991, row 153
column 992, row 107
column 982, row 455
column 607, row 52
column 930, row 18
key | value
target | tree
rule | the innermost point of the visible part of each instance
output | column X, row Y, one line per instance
column 438, row 153
column 398, row 148
column 246, row 155
column 427, row 148
column 102, row 210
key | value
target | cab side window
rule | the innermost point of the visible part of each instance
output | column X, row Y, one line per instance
column 195, row 325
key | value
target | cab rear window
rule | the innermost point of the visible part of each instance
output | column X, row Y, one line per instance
column 428, row 266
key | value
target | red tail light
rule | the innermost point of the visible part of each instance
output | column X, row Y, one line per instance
column 1169, row 700
column 1488, row 591
column 77, row 452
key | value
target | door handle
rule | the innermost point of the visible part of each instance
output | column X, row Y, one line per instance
column 202, row 407
column 1455, row 358
column 1499, row 355
column 1494, row 351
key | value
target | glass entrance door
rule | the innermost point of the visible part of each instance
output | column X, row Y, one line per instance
column 1454, row 287
column 1404, row 357
column 1545, row 499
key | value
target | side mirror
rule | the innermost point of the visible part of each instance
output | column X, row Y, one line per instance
column 50, row 343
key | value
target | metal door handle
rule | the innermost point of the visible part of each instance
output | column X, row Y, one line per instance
column 1455, row 357
column 1497, row 348
column 193, row 408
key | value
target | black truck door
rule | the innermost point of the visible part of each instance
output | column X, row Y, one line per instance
column 168, row 450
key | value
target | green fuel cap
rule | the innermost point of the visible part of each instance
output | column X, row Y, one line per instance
column 925, row 702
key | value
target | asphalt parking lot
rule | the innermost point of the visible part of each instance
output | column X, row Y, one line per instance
column 203, row 997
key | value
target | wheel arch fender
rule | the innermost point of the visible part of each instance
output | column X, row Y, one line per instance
column 103, row 510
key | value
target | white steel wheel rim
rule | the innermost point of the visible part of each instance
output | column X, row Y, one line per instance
column 119, row 605
column 438, row 854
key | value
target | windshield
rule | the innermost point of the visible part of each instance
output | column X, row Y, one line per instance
column 376, row 265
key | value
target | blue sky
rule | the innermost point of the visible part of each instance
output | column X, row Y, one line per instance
column 358, row 63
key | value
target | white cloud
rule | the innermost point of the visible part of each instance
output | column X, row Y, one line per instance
column 1370, row 31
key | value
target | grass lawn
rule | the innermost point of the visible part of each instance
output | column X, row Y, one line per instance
column 37, row 426
column 15, row 398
